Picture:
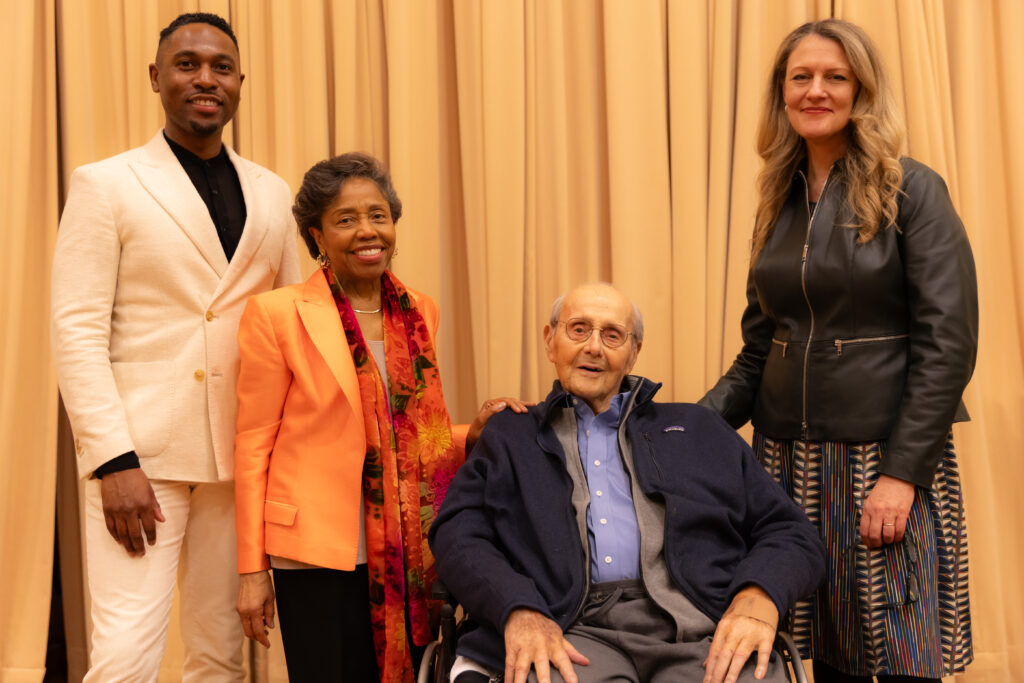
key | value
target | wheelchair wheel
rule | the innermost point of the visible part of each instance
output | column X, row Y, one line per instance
column 428, row 672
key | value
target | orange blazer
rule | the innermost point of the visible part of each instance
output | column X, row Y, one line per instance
column 300, row 443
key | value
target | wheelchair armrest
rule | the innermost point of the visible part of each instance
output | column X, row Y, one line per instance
column 439, row 591
column 444, row 649
column 784, row 641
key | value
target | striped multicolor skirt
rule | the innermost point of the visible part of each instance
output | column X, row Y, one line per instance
column 902, row 609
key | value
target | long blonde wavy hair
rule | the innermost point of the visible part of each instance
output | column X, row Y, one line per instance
column 871, row 167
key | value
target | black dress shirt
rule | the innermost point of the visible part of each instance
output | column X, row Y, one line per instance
column 216, row 181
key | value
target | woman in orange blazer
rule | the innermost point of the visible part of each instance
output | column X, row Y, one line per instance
column 344, row 448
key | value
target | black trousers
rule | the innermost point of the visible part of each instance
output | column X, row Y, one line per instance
column 325, row 625
column 823, row 673
column 472, row 677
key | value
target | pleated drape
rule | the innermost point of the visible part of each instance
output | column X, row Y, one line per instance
column 28, row 397
column 536, row 144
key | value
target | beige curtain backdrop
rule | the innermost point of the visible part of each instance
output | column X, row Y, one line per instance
column 28, row 398
column 535, row 144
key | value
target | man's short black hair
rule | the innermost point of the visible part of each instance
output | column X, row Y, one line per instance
column 198, row 18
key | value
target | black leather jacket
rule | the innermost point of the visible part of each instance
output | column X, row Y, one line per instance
column 850, row 342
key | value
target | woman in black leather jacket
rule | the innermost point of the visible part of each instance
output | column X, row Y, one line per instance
column 860, row 336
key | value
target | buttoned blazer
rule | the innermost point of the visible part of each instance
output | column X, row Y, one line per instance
column 300, row 440
column 145, row 309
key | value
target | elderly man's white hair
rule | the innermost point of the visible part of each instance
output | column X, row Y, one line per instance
column 638, row 319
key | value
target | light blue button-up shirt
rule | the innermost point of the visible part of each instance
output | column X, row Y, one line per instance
column 612, row 528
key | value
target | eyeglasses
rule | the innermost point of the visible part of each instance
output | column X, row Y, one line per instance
column 579, row 330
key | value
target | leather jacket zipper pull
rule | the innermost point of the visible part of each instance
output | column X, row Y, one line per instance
column 839, row 346
column 913, row 590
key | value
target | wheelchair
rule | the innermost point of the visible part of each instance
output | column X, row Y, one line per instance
column 439, row 655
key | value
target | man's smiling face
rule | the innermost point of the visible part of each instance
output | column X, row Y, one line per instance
column 196, row 73
column 588, row 369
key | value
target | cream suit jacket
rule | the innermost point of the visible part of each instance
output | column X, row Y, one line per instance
column 145, row 309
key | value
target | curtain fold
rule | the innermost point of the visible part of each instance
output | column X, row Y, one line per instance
column 28, row 397
column 639, row 200
column 490, row 64
column 985, row 49
column 536, row 144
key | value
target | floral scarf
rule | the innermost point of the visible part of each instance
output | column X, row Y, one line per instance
column 410, row 460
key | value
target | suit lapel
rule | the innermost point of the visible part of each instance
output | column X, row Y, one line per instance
column 257, row 215
column 320, row 317
column 161, row 174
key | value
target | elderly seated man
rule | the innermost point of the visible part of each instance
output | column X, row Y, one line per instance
column 613, row 538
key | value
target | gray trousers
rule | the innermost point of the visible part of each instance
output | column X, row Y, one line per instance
column 627, row 637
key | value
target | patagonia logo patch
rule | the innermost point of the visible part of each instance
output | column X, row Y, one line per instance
column 674, row 428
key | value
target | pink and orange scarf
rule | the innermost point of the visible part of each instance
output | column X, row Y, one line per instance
column 410, row 460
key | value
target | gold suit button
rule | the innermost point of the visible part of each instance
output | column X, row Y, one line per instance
column 209, row 316
column 199, row 375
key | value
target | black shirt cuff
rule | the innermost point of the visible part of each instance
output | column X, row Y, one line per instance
column 127, row 461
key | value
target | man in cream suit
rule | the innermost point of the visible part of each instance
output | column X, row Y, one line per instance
column 158, row 250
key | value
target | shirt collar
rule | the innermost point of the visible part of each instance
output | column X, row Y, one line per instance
column 609, row 417
column 186, row 155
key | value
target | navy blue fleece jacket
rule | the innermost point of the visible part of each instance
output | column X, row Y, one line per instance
column 506, row 535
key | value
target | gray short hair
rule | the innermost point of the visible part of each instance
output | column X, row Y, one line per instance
column 638, row 319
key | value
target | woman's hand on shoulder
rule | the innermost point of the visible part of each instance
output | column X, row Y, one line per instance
column 491, row 407
column 884, row 517
column 256, row 605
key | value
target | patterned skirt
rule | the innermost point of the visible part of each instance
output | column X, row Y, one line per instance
column 901, row 609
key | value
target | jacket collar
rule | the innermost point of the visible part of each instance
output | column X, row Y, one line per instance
column 163, row 176
column 800, row 171
column 642, row 390
column 259, row 215
column 320, row 317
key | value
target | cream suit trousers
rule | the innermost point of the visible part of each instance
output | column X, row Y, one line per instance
column 131, row 596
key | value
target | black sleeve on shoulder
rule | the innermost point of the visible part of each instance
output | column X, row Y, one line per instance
column 733, row 396
column 942, row 298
